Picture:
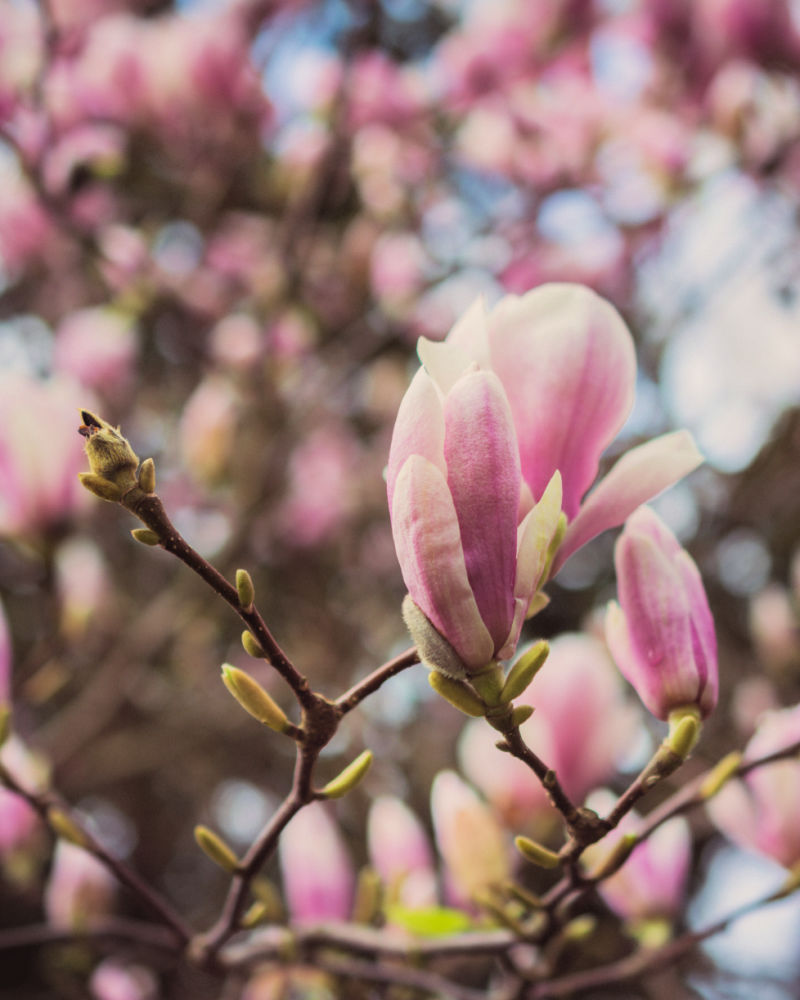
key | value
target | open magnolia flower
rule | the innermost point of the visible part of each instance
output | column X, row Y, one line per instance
column 500, row 431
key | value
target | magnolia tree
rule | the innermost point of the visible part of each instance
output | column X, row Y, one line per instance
column 510, row 727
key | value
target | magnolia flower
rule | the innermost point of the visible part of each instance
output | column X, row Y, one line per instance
column 468, row 837
column 651, row 884
column 578, row 690
column 661, row 634
column 513, row 404
column 760, row 811
column 400, row 853
column 318, row 878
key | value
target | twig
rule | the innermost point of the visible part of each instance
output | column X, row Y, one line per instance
column 129, row 931
column 350, row 699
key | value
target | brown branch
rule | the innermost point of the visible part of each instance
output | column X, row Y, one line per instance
column 136, row 932
column 350, row 699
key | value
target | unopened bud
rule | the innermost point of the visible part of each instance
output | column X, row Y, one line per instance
column 253, row 698
column 5, row 723
column 434, row 650
column 349, row 777
column 102, row 488
column 147, row 476
column 251, row 645
column 110, row 455
column 65, row 827
column 256, row 914
column 245, row 589
column 145, row 536
column 535, row 853
column 684, row 730
column 214, row 847
column 521, row 713
column 719, row 775
column 615, row 858
column 457, row 693
column 524, row 670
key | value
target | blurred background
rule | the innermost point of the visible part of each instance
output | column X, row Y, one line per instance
column 223, row 226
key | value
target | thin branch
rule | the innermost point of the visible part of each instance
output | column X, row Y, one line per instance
column 138, row 932
column 350, row 699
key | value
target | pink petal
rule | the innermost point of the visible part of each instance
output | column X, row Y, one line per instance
column 567, row 362
column 482, row 459
column 466, row 344
column 418, row 430
column 638, row 476
column 428, row 544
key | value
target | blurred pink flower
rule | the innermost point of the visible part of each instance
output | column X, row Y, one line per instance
column 113, row 981
column 80, row 890
column 661, row 634
column 82, row 583
column 651, row 885
column 397, row 267
column 318, row 878
column 760, row 811
column 25, row 228
column 40, row 452
column 207, row 428
column 400, row 853
column 578, row 690
column 469, row 839
column 98, row 347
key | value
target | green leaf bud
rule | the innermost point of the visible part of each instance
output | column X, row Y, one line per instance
column 457, row 693
column 110, row 455
column 147, row 476
column 524, row 670
column 214, row 847
column 5, row 722
column 102, row 488
column 616, row 857
column 434, row 650
column 65, row 827
column 521, row 713
column 253, row 698
column 720, row 774
column 684, row 730
column 252, row 645
column 349, row 777
column 145, row 536
column 535, row 853
column 245, row 589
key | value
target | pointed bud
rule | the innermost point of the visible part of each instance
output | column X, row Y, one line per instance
column 65, row 827
column 256, row 914
column 684, row 730
column 214, row 847
column 457, row 693
column 110, row 455
column 245, row 589
column 101, row 488
column 251, row 645
column 524, row 670
column 720, row 775
column 488, row 683
column 253, row 698
column 145, row 536
column 369, row 897
column 349, row 777
column 536, row 854
column 521, row 713
column 5, row 723
column 615, row 858
column 434, row 650
column 147, row 476
column 269, row 897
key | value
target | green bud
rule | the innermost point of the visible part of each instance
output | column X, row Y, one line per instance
column 580, row 928
column 538, row 603
column 5, row 722
column 145, row 536
column 251, row 645
column 457, row 693
column 269, row 897
column 147, row 476
column 524, row 670
column 488, row 683
column 521, row 713
column 368, row 898
column 65, row 827
column 102, row 488
column 434, row 650
column 536, row 854
column 684, row 730
column 110, row 456
column 256, row 914
column 253, row 698
column 245, row 589
column 214, row 847
column 616, row 857
column 719, row 775
column 349, row 777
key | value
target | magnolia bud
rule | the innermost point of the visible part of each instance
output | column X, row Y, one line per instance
column 214, row 847
column 434, row 650
column 349, row 777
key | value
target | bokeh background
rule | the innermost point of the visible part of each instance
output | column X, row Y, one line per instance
column 223, row 226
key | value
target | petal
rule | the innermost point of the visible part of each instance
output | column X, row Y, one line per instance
column 466, row 344
column 639, row 475
column 483, row 475
column 418, row 429
column 428, row 543
column 567, row 362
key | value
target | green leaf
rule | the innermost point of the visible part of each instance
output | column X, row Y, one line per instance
column 429, row 921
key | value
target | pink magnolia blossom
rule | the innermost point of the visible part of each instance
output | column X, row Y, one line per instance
column 40, row 452
column 760, row 811
column 113, row 981
column 318, row 879
column 661, row 634
column 455, row 491
column 468, row 837
column 97, row 346
column 207, row 427
column 578, row 690
column 80, row 889
column 652, row 883
column 400, row 853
